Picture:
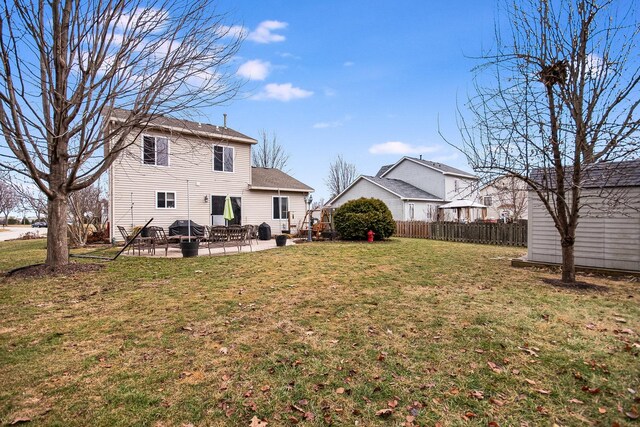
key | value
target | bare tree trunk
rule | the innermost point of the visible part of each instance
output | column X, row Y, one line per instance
column 568, row 261
column 57, row 245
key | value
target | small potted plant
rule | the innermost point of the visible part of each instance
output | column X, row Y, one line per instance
column 281, row 240
column 189, row 248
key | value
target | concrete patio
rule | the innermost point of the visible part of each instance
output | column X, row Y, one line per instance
column 217, row 250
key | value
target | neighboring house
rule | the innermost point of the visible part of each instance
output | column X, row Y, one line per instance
column 413, row 189
column 504, row 197
column 608, row 232
column 150, row 179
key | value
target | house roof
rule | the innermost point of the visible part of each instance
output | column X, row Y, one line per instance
column 602, row 175
column 400, row 188
column 383, row 169
column 440, row 167
column 187, row 126
column 275, row 179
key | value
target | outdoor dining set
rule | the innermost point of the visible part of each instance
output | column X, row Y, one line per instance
column 213, row 236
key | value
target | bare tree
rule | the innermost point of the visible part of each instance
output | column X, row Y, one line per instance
column 8, row 200
column 269, row 153
column 87, row 209
column 341, row 175
column 561, row 101
column 67, row 65
column 31, row 199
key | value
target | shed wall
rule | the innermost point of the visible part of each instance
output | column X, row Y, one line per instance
column 608, row 235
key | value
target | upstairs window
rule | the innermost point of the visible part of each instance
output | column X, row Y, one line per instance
column 165, row 200
column 155, row 151
column 222, row 158
column 280, row 207
column 487, row 201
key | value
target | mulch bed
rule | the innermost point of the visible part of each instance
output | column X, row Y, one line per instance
column 579, row 286
column 42, row 270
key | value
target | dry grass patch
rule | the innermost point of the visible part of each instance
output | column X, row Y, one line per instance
column 408, row 332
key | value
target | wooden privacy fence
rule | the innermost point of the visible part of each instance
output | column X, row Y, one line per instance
column 514, row 234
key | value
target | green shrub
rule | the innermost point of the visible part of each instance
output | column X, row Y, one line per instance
column 356, row 217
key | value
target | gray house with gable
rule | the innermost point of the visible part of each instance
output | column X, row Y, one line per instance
column 413, row 188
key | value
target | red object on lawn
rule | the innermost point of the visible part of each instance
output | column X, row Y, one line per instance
column 370, row 235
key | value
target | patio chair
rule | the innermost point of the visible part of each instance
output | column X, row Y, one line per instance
column 217, row 234
column 158, row 238
column 253, row 233
column 236, row 234
column 247, row 233
column 128, row 239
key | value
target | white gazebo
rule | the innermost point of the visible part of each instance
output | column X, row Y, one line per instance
column 461, row 204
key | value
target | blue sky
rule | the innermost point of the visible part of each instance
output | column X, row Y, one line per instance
column 355, row 77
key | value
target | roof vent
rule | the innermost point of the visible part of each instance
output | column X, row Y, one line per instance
column 225, row 120
column 199, row 124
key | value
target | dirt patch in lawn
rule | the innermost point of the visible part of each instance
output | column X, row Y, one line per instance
column 42, row 270
column 578, row 286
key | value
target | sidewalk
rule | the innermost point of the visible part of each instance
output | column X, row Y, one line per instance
column 11, row 233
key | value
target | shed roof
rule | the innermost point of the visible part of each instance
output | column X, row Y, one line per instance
column 601, row 175
column 275, row 179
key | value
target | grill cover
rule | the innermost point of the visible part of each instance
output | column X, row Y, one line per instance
column 181, row 228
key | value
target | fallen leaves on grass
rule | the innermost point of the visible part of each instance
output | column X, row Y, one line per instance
column 384, row 413
column 495, row 368
column 477, row 394
column 595, row 390
column 257, row 422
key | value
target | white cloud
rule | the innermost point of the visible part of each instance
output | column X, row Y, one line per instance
column 288, row 55
column 349, row 64
column 282, row 92
column 234, row 31
column 333, row 124
column 143, row 19
column 329, row 92
column 264, row 32
column 397, row 147
column 254, row 69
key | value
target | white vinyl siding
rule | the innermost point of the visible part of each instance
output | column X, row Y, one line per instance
column 603, row 239
column 155, row 150
column 134, row 184
column 364, row 188
column 223, row 158
column 165, row 200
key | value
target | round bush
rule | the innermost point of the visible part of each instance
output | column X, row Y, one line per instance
column 356, row 217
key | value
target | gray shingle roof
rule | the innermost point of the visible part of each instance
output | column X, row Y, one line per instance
column 401, row 188
column 441, row 167
column 601, row 175
column 383, row 169
column 186, row 126
column 269, row 178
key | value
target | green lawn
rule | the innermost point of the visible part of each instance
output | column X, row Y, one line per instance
column 419, row 332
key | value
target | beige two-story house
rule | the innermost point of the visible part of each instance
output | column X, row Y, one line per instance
column 177, row 169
